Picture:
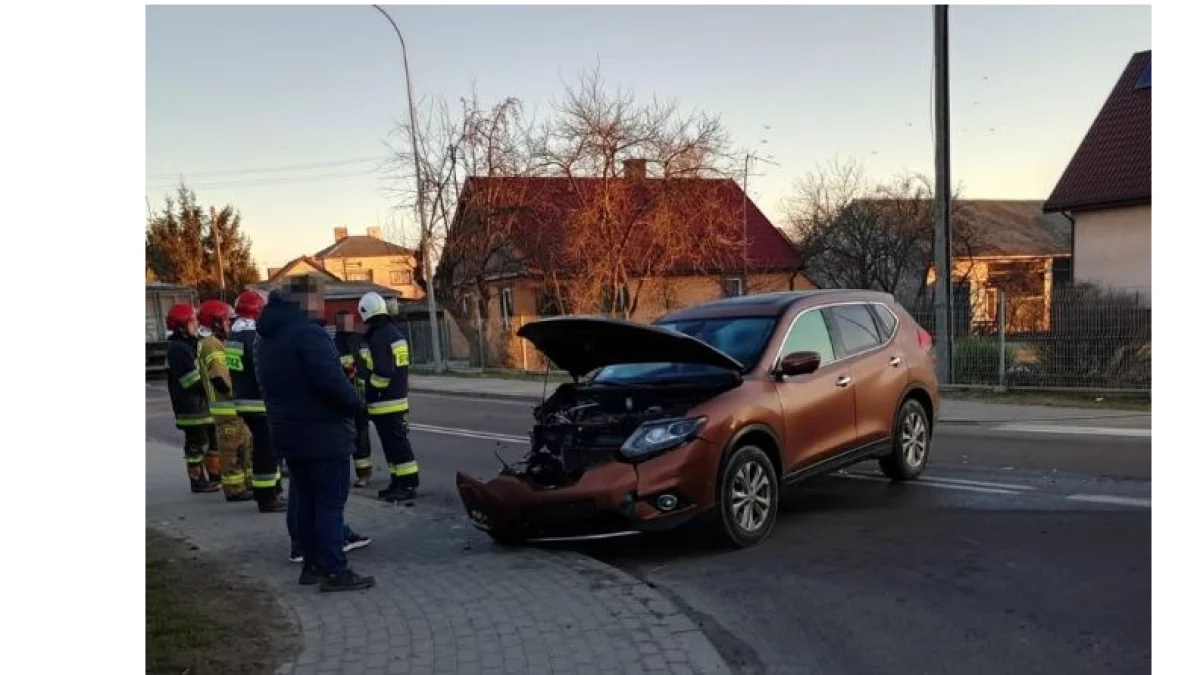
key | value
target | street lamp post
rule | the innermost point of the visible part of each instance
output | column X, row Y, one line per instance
column 426, row 234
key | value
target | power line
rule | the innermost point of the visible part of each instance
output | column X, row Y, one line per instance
column 274, row 169
column 253, row 182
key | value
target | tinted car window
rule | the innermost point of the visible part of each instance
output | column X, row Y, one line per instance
column 810, row 334
column 887, row 320
column 855, row 325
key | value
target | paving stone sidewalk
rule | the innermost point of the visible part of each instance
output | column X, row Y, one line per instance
column 447, row 600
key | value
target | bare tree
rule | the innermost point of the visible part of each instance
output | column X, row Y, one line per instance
column 636, row 206
column 469, row 231
column 854, row 234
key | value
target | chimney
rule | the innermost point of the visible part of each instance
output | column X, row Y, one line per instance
column 339, row 233
column 635, row 168
column 375, row 233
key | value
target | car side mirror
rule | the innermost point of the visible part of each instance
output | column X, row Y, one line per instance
column 799, row 363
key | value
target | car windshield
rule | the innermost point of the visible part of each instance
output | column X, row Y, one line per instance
column 741, row 338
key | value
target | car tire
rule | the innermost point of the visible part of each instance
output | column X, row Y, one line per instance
column 911, row 438
column 743, row 521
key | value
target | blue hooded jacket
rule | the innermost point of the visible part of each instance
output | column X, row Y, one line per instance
column 310, row 404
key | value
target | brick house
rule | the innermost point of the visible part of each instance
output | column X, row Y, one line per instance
column 518, row 290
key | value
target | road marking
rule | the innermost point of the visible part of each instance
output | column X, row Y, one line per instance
column 927, row 483
column 974, row 483
column 469, row 433
column 1072, row 430
column 1111, row 499
column 527, row 404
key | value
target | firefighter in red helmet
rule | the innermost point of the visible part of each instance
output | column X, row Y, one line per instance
column 187, row 397
column 233, row 439
column 239, row 357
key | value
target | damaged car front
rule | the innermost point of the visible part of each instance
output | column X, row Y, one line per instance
column 622, row 452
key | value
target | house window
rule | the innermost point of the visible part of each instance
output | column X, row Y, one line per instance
column 549, row 304
column 506, row 306
column 1143, row 81
column 732, row 287
column 360, row 276
column 400, row 277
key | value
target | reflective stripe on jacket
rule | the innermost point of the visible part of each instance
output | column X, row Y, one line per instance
column 212, row 361
column 386, row 356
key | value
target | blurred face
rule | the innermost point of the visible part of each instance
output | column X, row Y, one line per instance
column 191, row 328
column 345, row 323
column 314, row 305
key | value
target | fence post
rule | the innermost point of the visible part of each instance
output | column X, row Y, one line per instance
column 1002, row 318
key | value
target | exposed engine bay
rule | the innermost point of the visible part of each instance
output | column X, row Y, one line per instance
column 581, row 426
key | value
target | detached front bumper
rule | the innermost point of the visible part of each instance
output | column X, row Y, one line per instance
column 613, row 499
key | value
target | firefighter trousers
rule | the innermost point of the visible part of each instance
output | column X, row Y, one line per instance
column 362, row 447
column 393, row 435
column 265, row 474
column 195, row 443
column 233, row 443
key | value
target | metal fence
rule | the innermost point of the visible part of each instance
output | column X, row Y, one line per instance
column 1072, row 337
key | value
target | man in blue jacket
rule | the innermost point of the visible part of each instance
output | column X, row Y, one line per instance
column 311, row 408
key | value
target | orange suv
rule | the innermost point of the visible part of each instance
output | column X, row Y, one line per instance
column 710, row 412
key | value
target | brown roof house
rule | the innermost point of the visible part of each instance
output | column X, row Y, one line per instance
column 1105, row 188
column 357, row 258
column 673, row 242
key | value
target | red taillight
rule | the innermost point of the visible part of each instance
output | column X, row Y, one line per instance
column 924, row 339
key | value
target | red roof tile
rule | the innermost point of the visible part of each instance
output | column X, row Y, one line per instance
column 540, row 234
column 1111, row 167
column 360, row 246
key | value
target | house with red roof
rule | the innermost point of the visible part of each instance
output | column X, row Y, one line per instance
column 1105, row 188
column 719, row 243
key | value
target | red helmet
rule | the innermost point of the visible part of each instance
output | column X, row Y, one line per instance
column 250, row 304
column 213, row 312
column 179, row 316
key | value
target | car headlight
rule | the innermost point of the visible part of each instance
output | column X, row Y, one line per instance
column 660, row 435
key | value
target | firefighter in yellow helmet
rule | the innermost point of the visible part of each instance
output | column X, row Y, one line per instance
column 233, row 438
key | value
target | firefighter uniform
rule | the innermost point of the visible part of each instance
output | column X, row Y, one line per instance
column 349, row 346
column 233, row 439
column 239, row 357
column 191, row 410
column 386, row 357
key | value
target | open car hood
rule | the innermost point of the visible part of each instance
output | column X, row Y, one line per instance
column 580, row 344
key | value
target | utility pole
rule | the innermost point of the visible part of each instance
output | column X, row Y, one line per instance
column 216, row 232
column 745, row 212
column 426, row 233
column 943, row 299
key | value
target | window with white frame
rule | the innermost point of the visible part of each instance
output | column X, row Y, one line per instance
column 506, row 306
column 732, row 287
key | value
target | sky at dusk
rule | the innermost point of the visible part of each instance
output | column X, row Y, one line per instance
column 233, row 91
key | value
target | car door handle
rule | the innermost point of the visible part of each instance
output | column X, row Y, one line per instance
column 895, row 362
column 843, row 381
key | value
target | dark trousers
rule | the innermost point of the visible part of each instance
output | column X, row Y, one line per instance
column 317, row 491
column 393, row 435
column 195, row 440
column 264, row 476
column 362, row 446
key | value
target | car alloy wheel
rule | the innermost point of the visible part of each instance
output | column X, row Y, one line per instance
column 750, row 497
column 914, row 438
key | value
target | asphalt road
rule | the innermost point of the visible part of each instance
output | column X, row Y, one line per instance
column 1017, row 552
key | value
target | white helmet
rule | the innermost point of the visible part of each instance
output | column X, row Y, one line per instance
column 371, row 304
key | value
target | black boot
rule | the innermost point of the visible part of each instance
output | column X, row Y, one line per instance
column 269, row 501
column 310, row 576
column 346, row 580
column 198, row 480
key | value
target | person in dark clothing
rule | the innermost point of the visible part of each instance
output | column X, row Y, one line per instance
column 311, row 408
column 386, row 354
column 187, row 397
column 349, row 342
column 239, row 357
